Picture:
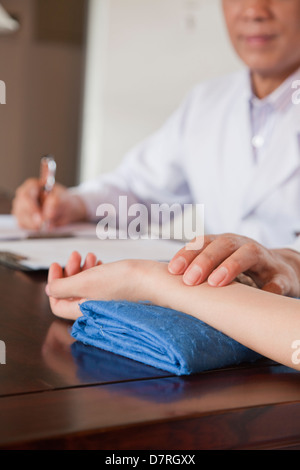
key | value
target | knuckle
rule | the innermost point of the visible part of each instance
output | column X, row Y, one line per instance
column 253, row 248
column 207, row 240
column 19, row 192
column 207, row 258
column 25, row 187
column 31, row 182
column 234, row 265
column 229, row 242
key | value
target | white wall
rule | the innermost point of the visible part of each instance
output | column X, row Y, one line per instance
column 149, row 54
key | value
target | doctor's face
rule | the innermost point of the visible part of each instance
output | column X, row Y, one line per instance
column 265, row 34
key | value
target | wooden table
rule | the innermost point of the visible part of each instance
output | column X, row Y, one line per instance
column 58, row 394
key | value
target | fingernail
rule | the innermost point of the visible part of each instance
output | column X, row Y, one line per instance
column 47, row 290
column 178, row 266
column 193, row 276
column 217, row 277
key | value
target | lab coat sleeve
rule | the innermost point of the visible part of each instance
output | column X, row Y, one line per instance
column 151, row 173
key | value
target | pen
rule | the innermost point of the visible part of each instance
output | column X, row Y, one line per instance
column 47, row 181
column 47, row 176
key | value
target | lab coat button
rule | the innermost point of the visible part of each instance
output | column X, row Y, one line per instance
column 258, row 141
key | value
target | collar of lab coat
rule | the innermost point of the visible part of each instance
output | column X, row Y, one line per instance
column 283, row 159
column 279, row 99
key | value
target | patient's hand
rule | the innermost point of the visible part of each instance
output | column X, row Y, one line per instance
column 222, row 258
column 67, row 306
column 122, row 280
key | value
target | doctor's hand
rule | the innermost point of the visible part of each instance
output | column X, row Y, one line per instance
column 60, row 206
column 220, row 259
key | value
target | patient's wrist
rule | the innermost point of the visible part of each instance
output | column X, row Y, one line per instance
column 146, row 280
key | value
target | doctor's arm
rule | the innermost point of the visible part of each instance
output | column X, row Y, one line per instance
column 149, row 173
column 220, row 259
column 262, row 321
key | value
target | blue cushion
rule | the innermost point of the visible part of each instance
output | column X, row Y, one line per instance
column 163, row 338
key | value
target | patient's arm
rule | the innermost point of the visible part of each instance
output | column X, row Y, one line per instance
column 265, row 322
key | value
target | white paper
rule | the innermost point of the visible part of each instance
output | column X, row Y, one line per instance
column 9, row 230
column 40, row 254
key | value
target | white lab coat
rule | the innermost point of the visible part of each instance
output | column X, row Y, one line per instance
column 203, row 154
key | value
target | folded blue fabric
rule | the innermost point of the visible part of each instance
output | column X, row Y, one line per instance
column 163, row 338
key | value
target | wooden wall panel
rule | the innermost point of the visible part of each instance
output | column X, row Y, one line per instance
column 60, row 20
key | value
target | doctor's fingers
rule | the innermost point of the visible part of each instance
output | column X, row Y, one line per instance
column 27, row 212
column 28, row 190
column 251, row 259
column 215, row 253
column 184, row 257
column 223, row 260
column 278, row 284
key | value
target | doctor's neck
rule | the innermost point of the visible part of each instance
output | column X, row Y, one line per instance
column 263, row 84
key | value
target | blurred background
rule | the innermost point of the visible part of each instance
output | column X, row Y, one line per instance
column 88, row 79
